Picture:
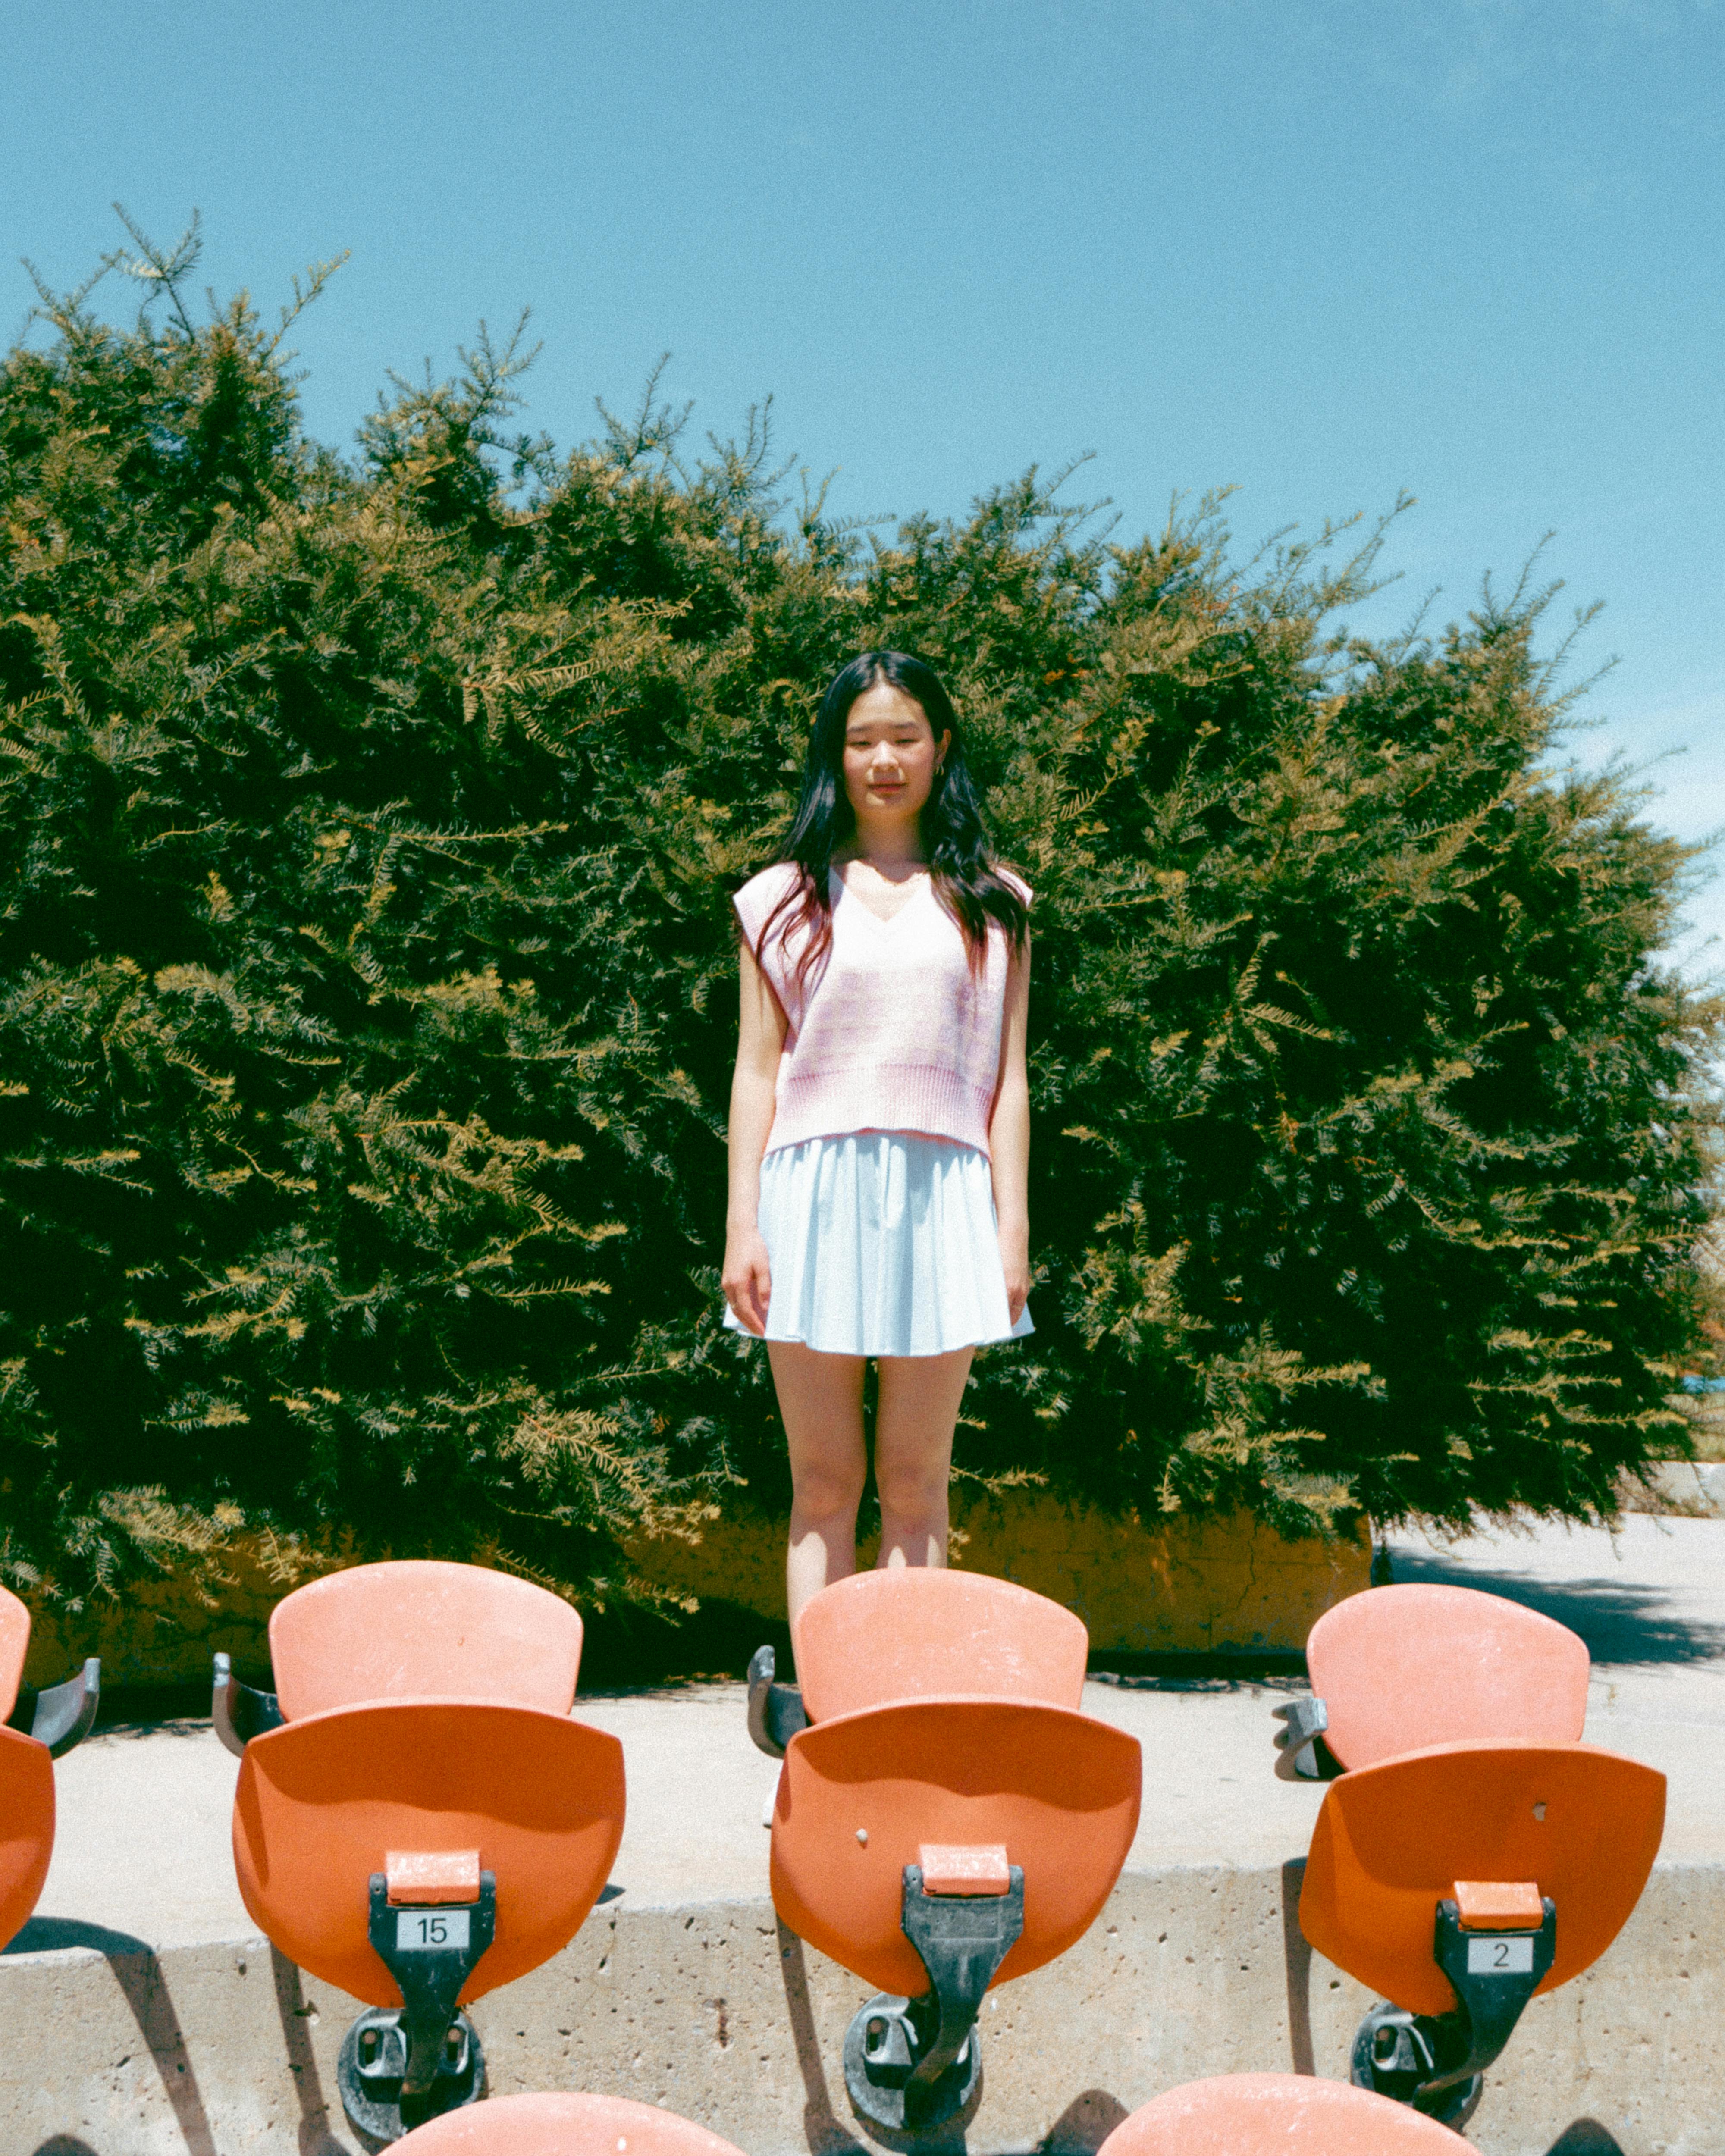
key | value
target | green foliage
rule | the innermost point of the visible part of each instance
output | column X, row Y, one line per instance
column 366, row 1009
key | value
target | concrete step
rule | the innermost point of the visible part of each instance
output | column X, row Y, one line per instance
column 714, row 2010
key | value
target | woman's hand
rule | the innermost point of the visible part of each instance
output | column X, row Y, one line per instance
column 747, row 1279
column 1015, row 1263
column 748, row 1274
column 1010, row 1139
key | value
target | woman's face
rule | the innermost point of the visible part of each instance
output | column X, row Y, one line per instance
column 889, row 756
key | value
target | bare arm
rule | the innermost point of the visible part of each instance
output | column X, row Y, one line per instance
column 1009, row 1137
column 747, row 1279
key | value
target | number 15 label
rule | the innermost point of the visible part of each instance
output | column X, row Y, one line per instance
column 434, row 1928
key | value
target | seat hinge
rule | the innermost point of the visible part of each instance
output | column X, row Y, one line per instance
column 776, row 1710
column 911, row 2063
column 400, row 2065
column 63, row 1715
column 239, row 1711
column 1436, row 2062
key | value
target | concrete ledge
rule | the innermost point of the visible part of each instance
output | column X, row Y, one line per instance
column 1686, row 1488
column 164, row 1631
column 710, row 2008
column 1142, row 1586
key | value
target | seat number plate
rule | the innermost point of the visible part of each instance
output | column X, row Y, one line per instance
column 436, row 1930
column 1500, row 1957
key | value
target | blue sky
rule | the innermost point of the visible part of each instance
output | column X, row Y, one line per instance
column 1473, row 249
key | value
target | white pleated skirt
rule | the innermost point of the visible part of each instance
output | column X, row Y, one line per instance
column 883, row 1243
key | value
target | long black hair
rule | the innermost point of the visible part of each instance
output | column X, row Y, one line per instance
column 965, row 877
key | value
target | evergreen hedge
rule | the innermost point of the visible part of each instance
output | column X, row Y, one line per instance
column 367, row 987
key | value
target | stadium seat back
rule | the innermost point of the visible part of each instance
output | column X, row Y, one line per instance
column 1392, row 1840
column 322, row 1802
column 563, row 2125
column 1267, row 2114
column 420, row 1628
column 14, row 1645
column 26, row 1827
column 861, row 1794
column 1400, row 1668
column 924, row 1632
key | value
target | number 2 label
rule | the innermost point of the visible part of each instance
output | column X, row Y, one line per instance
column 1500, row 1957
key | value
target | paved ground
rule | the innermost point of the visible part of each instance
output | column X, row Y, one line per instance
column 142, row 1845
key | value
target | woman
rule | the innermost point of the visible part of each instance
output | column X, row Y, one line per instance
column 880, row 1117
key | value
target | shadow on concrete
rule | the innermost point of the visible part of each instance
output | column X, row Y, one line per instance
column 1586, row 2138
column 316, row 2138
column 822, row 2129
column 1296, row 1957
column 63, row 2144
column 826, row 2134
column 145, row 1989
column 140, row 1977
column 139, row 1710
column 1083, row 2126
column 626, row 1649
column 53, row 1934
column 1274, row 1669
column 1623, row 1622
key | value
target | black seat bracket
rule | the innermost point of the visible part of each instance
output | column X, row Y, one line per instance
column 1301, row 1754
column 1436, row 2062
column 913, row 2063
column 1494, row 1974
column 239, row 1711
column 401, row 2065
column 62, row 1715
column 776, row 1710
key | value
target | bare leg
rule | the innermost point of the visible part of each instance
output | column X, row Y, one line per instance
column 913, row 1452
column 820, row 1402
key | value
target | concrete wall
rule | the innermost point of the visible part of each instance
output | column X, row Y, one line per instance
column 1142, row 1586
column 1692, row 1488
column 1161, row 1586
column 164, row 1631
column 714, row 2010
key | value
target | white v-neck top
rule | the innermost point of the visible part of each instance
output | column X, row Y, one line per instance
column 892, row 1031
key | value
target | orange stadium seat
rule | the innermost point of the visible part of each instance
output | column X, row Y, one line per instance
column 945, row 1819
column 418, row 1818
column 39, row 1728
column 1472, row 1852
column 564, row 2125
column 1269, row 2114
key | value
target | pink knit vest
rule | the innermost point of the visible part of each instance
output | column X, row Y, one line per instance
column 894, row 1032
